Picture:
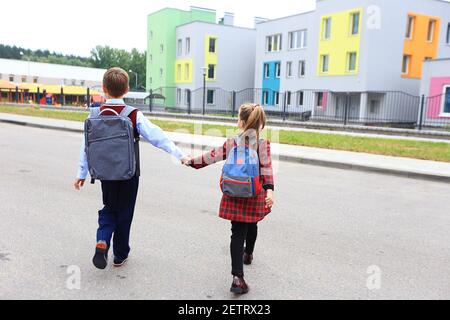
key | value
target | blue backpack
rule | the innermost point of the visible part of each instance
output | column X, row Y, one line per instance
column 240, row 174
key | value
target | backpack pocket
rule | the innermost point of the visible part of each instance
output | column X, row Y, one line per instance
column 239, row 187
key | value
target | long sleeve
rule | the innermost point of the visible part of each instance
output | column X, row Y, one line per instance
column 265, row 160
column 156, row 136
column 82, row 163
column 211, row 157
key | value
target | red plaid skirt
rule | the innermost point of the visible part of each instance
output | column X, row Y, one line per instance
column 248, row 210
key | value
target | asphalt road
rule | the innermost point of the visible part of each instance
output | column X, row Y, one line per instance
column 328, row 229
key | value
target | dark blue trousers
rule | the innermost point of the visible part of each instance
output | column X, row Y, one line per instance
column 114, row 220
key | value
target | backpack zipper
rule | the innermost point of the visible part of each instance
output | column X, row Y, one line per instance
column 109, row 138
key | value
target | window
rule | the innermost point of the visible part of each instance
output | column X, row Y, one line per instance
column 289, row 69
column 188, row 45
column 446, row 100
column 211, row 71
column 186, row 72
column 178, row 72
column 326, row 28
column 297, row 39
column 188, row 97
column 431, row 27
column 351, row 61
column 265, row 98
column 210, row 97
column 301, row 97
column 278, row 70
column 35, row 80
column 288, row 98
column 150, row 36
column 178, row 96
column 74, row 82
column 319, row 99
column 150, row 57
column 180, row 47
column 301, row 68
column 410, row 27
column 11, row 78
column 212, row 45
column 448, row 34
column 277, row 98
column 266, row 70
column 374, row 106
column 324, row 60
column 161, row 48
column 406, row 63
column 82, row 83
column 24, row 79
column 161, row 72
column 354, row 23
column 273, row 43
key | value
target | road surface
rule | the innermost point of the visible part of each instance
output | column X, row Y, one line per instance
column 334, row 234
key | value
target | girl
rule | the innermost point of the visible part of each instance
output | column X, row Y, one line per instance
column 244, row 213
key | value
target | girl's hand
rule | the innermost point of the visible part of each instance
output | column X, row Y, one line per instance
column 269, row 199
column 79, row 183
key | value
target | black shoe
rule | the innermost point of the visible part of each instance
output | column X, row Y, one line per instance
column 248, row 259
column 100, row 259
column 239, row 286
column 119, row 262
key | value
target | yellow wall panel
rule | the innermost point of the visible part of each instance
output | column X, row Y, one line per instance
column 183, row 70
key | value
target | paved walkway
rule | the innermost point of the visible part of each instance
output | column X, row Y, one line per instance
column 332, row 158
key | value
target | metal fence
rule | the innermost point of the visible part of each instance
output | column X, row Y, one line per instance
column 369, row 108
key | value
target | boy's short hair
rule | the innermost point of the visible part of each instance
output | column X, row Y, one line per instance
column 116, row 81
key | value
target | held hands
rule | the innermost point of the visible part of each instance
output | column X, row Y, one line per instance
column 79, row 183
column 186, row 161
column 269, row 199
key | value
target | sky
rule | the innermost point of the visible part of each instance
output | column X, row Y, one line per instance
column 75, row 27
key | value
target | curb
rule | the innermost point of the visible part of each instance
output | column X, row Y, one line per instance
column 287, row 158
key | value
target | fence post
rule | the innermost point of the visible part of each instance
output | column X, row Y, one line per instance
column 88, row 98
column 233, row 104
column 150, row 101
column 422, row 107
column 189, row 98
column 347, row 100
column 62, row 96
column 284, row 106
column 17, row 94
column 38, row 96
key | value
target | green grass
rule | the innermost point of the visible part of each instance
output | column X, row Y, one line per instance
column 438, row 151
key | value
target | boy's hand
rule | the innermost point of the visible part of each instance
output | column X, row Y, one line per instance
column 269, row 199
column 79, row 183
column 186, row 161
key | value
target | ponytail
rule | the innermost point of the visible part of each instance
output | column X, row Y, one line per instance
column 254, row 119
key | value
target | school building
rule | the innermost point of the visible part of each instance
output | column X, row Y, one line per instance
column 368, row 54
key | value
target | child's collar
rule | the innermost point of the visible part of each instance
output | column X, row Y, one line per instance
column 114, row 101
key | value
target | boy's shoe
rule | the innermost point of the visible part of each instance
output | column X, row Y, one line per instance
column 248, row 259
column 119, row 262
column 239, row 286
column 100, row 259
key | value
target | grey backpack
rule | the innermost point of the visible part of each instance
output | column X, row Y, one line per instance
column 112, row 148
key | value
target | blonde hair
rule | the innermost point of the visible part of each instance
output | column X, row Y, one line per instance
column 254, row 118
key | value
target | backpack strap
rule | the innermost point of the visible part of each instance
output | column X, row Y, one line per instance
column 127, row 111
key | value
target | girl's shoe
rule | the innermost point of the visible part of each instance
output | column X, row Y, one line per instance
column 248, row 259
column 100, row 259
column 239, row 286
column 119, row 263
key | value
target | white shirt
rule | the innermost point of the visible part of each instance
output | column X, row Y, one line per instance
column 150, row 132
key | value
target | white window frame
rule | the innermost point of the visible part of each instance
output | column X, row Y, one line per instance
column 278, row 70
column 265, row 97
column 289, row 73
column 180, row 47
column 187, row 96
column 301, row 94
column 349, row 55
column 431, row 30
column 300, row 64
column 271, row 40
column 289, row 98
column 215, row 45
column 188, row 45
column 410, row 25
column 322, row 63
column 444, row 89
column 187, row 72
column 214, row 70
column 11, row 78
column 266, row 70
column 214, row 97
column 326, row 28
column 179, row 68
column 447, row 39
column 179, row 96
column 408, row 64
column 352, row 21
column 276, row 98
column 294, row 37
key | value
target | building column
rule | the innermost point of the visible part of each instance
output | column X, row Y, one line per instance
column 363, row 106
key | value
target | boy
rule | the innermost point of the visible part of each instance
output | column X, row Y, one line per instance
column 119, row 197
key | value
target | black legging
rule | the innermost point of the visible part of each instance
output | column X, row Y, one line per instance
column 241, row 232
